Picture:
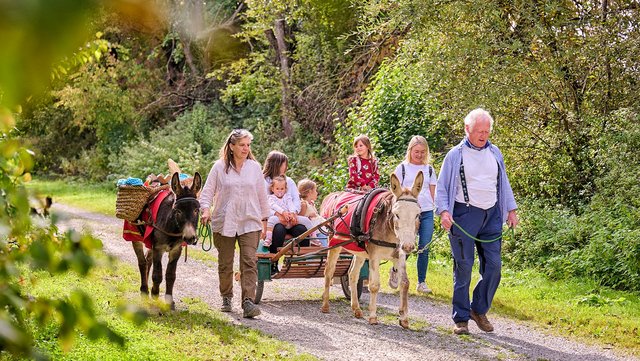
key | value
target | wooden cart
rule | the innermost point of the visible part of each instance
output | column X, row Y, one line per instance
column 295, row 261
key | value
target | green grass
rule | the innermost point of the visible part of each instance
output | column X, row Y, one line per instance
column 197, row 333
column 576, row 307
column 94, row 197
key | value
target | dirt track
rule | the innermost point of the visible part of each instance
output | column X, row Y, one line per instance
column 339, row 336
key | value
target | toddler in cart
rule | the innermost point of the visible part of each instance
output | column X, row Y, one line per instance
column 308, row 195
column 281, row 204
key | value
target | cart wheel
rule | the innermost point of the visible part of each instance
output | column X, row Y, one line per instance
column 259, row 289
column 344, row 282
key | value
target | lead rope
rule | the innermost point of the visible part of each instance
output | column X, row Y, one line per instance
column 204, row 232
column 513, row 236
column 513, row 233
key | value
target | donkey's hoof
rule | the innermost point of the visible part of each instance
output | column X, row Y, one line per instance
column 404, row 324
column 172, row 305
column 373, row 320
column 324, row 309
column 357, row 313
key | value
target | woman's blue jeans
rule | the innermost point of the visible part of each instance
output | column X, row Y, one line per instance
column 425, row 233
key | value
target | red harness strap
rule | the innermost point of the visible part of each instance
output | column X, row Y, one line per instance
column 342, row 226
column 130, row 231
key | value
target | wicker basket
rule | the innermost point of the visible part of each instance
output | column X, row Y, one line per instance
column 130, row 201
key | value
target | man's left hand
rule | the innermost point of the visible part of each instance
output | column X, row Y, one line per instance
column 512, row 219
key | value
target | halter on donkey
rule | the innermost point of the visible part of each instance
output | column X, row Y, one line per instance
column 392, row 232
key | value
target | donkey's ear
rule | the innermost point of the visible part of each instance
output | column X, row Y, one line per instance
column 396, row 188
column 197, row 183
column 417, row 184
column 176, row 187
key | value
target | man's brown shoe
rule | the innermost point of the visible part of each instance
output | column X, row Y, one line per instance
column 462, row 328
column 482, row 321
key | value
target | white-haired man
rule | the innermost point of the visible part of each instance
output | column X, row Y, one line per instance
column 474, row 199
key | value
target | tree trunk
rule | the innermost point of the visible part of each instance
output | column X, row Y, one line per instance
column 607, row 101
column 188, row 57
column 278, row 41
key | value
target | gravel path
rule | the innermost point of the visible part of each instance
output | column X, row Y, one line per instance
column 291, row 312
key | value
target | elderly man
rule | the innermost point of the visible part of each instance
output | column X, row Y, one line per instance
column 474, row 199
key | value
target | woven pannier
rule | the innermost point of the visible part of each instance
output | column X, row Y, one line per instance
column 130, row 201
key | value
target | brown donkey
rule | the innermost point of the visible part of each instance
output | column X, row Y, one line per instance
column 176, row 222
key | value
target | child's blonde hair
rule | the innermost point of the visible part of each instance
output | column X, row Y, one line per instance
column 367, row 143
column 305, row 186
column 278, row 179
column 418, row 140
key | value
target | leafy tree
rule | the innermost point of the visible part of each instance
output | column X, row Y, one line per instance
column 396, row 107
column 550, row 72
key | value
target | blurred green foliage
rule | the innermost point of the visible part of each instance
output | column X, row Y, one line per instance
column 36, row 36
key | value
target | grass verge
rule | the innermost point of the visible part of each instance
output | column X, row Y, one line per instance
column 196, row 333
column 94, row 197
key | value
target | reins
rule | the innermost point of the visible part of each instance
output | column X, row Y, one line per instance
column 368, row 236
column 513, row 235
column 155, row 226
column 170, row 234
column 374, row 218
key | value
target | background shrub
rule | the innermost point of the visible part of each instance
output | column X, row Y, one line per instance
column 183, row 140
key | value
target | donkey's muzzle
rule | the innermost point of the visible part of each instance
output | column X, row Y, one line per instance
column 189, row 234
column 408, row 248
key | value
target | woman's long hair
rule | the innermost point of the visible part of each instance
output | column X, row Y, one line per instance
column 225, row 152
column 273, row 163
column 416, row 140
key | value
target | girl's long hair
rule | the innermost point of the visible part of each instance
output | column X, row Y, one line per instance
column 367, row 143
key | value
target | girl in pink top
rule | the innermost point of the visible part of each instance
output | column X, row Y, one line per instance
column 363, row 166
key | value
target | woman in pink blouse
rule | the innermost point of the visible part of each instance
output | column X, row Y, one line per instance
column 363, row 166
column 239, row 214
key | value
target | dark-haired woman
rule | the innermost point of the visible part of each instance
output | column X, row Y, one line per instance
column 275, row 165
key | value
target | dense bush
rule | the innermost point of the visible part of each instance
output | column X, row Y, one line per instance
column 192, row 140
column 396, row 107
column 93, row 112
column 603, row 241
column 37, row 125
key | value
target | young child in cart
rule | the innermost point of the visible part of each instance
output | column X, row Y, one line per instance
column 308, row 195
column 281, row 203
